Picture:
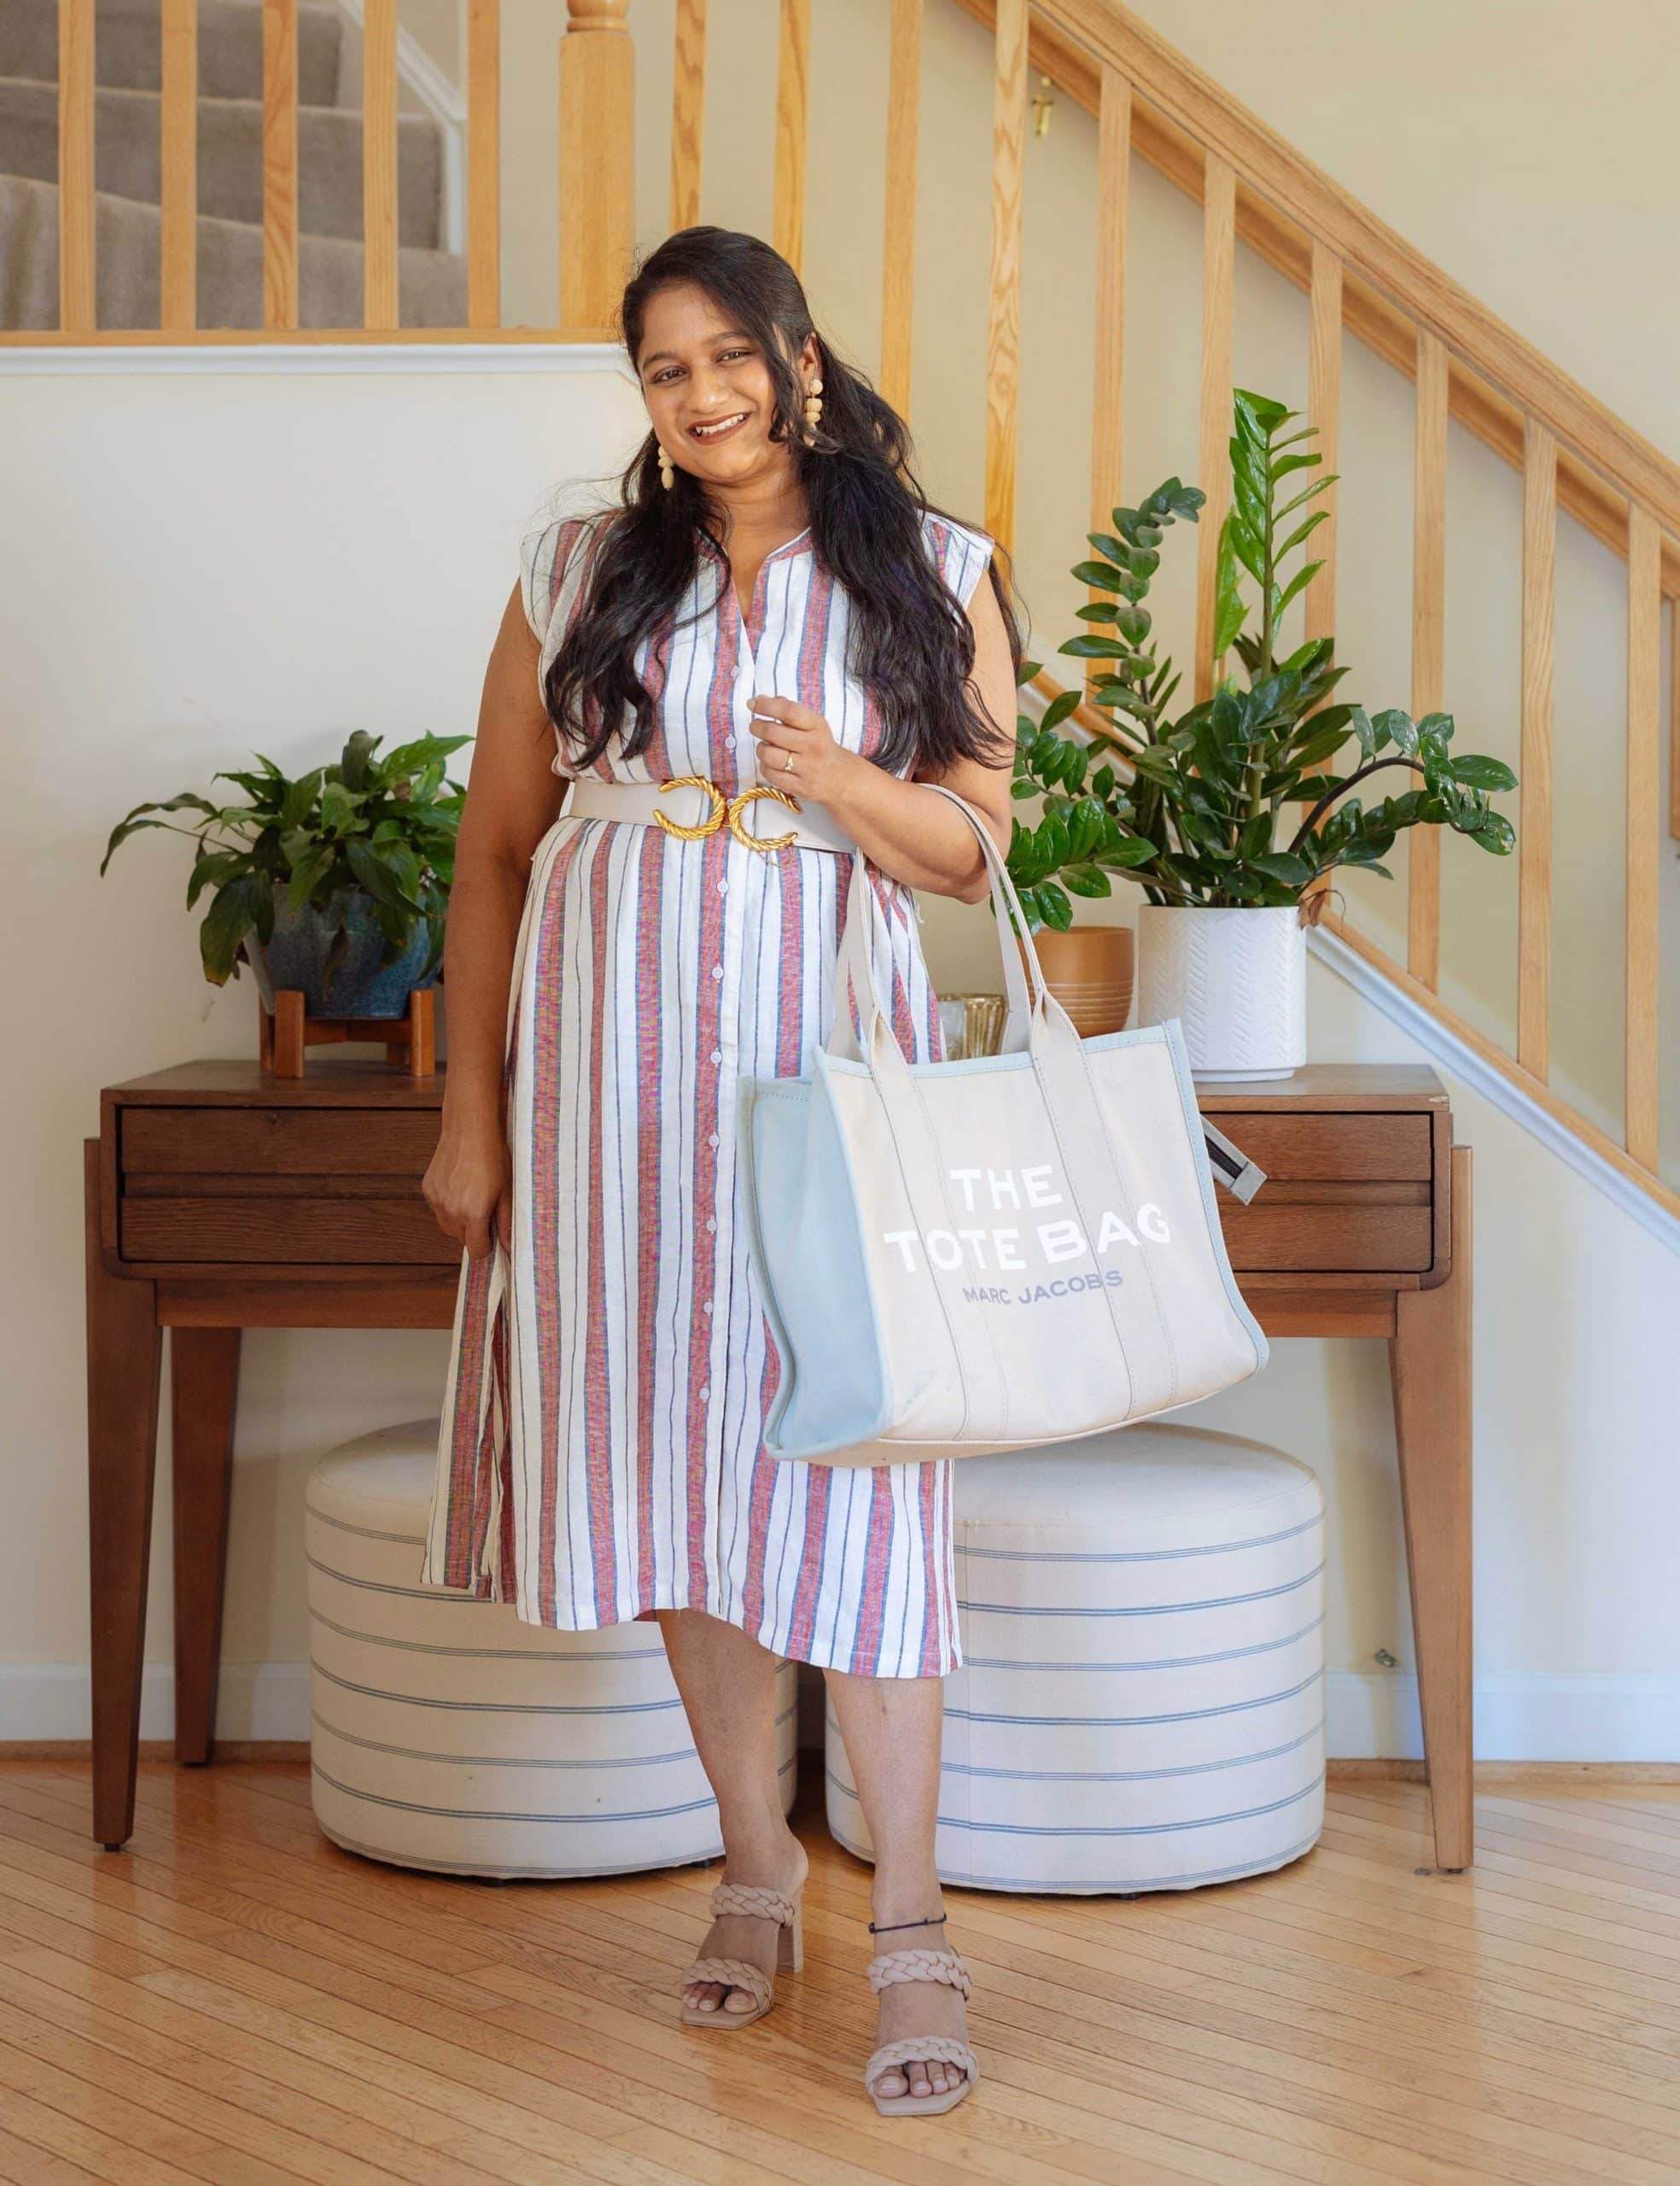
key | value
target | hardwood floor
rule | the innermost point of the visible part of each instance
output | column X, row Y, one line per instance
column 234, row 2000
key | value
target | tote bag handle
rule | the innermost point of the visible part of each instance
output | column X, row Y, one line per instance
column 1032, row 1013
column 1093, row 1172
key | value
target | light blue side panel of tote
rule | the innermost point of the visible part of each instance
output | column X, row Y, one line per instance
column 803, row 1235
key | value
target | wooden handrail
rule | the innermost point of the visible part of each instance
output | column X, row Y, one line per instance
column 1180, row 91
column 1602, row 463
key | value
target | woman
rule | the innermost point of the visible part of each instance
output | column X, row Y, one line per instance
column 773, row 606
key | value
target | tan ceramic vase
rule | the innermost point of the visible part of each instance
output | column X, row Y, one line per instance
column 1092, row 971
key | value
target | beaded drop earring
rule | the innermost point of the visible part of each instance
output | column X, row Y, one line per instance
column 666, row 469
column 813, row 409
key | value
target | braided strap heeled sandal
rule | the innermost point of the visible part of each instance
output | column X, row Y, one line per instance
column 761, row 1902
column 934, row 2048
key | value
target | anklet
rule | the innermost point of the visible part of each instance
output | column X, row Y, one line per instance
column 887, row 1926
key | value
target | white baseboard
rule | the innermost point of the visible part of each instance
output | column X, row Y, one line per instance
column 1520, row 1715
column 42, row 1701
column 1630, row 1716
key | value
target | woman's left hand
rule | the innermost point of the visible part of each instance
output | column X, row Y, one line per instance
column 798, row 752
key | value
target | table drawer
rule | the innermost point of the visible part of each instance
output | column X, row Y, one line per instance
column 1346, row 1191
column 1372, row 1147
column 1358, row 1230
column 279, row 1142
column 226, row 1227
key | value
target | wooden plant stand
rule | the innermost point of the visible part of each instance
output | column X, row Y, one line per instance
column 285, row 1032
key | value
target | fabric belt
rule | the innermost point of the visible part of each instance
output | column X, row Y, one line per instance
column 689, row 806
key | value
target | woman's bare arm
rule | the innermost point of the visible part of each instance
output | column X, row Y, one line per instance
column 513, row 798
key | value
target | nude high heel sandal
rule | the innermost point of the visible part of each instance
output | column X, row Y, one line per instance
column 934, row 2049
column 764, row 1903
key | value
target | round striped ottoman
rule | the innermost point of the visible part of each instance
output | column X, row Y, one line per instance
column 446, row 1734
column 1142, row 1702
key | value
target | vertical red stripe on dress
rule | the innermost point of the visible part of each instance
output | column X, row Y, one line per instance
column 650, row 1129
column 597, row 1452
column 790, row 1036
column 819, row 1492
column 926, row 1483
column 877, row 1562
column 550, row 985
column 714, row 852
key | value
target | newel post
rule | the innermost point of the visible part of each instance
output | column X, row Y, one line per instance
column 596, row 162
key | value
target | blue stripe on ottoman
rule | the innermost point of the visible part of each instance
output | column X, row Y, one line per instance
column 1141, row 1700
column 445, row 1735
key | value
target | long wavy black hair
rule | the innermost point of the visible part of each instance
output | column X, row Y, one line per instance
column 912, row 644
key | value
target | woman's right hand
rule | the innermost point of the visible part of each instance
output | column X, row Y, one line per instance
column 469, row 1183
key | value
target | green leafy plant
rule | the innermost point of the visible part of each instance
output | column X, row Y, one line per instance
column 384, row 828
column 1195, row 808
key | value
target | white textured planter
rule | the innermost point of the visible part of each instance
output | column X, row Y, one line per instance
column 1236, row 981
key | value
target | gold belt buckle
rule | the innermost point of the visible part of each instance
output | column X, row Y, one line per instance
column 722, row 809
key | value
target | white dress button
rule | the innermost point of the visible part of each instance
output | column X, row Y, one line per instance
column 729, row 744
column 723, row 887
column 711, row 1222
column 707, row 1307
column 705, row 1393
column 717, row 971
column 713, row 1140
column 717, row 1055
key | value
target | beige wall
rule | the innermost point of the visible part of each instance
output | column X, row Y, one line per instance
column 438, row 26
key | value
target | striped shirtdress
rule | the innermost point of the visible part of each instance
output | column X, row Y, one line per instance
column 601, row 1451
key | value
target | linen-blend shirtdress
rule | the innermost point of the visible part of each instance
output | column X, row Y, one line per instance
column 600, row 1453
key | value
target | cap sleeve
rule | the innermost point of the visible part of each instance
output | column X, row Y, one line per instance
column 546, row 557
column 554, row 562
column 960, row 552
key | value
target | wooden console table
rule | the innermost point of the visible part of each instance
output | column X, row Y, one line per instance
column 219, row 1199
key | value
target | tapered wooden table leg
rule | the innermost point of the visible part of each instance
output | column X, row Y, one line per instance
column 204, row 1389
column 1429, row 1357
column 124, row 1348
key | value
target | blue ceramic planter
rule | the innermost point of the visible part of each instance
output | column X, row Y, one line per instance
column 296, row 956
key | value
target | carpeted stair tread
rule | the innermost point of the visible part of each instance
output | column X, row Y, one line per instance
column 126, row 130
column 127, row 46
column 433, row 284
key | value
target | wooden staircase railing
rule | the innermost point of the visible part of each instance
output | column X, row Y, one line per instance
column 1362, row 279
column 1466, row 364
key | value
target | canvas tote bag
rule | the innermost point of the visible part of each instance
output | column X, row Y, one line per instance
column 962, row 1257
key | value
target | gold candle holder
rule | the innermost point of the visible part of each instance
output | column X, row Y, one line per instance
column 973, row 1024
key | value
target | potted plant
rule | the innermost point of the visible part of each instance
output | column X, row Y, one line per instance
column 337, row 883
column 1204, row 809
